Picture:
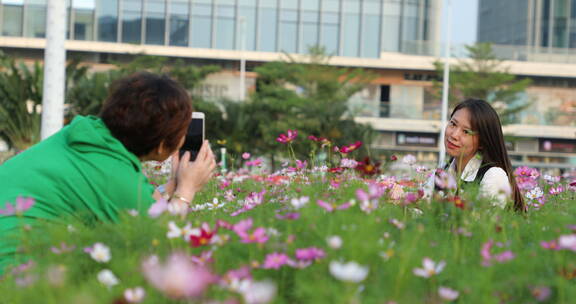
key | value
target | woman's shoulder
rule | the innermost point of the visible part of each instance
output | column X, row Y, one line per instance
column 495, row 172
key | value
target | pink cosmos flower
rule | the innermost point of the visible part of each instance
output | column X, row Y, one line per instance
column 159, row 207
column 178, row 277
column 288, row 137
column 22, row 204
column 556, row 190
column 310, row 254
column 551, row 245
column 369, row 200
column 275, row 260
column 242, row 229
column 203, row 259
column 252, row 200
column 288, row 216
column 541, row 293
column 444, row 180
column 63, row 248
column 254, row 163
column 487, row 257
column 246, row 155
column 331, row 207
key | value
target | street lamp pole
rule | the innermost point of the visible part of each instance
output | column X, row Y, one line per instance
column 445, row 86
column 54, row 69
column 242, row 58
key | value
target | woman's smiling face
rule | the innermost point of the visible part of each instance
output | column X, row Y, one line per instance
column 460, row 140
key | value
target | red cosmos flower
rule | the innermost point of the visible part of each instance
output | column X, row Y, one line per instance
column 393, row 158
column 366, row 167
column 336, row 170
column 457, row 201
column 203, row 238
column 350, row 148
column 288, row 137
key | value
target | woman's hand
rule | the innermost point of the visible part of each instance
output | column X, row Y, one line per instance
column 192, row 176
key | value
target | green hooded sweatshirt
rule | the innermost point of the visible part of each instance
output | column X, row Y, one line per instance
column 81, row 172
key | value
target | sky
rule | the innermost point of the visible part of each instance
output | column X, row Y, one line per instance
column 464, row 19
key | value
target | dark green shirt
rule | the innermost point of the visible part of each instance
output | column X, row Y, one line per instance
column 82, row 172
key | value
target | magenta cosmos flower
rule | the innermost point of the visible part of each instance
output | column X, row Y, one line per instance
column 275, row 260
column 288, row 137
column 310, row 254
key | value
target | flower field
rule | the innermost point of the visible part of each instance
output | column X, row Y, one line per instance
column 346, row 233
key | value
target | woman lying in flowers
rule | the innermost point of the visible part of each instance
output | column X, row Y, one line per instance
column 474, row 139
column 91, row 169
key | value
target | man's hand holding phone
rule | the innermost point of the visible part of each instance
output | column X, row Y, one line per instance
column 192, row 176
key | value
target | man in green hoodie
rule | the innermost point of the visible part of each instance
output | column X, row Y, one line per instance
column 91, row 169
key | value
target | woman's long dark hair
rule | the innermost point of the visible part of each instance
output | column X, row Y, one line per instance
column 486, row 122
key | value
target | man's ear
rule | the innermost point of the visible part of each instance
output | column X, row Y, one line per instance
column 161, row 148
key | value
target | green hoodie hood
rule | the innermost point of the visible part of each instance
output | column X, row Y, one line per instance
column 90, row 135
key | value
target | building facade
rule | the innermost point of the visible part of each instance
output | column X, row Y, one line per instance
column 355, row 28
column 395, row 39
column 539, row 24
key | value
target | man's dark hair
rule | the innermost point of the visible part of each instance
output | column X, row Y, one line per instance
column 144, row 109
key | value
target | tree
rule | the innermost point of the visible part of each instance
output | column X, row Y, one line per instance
column 484, row 76
column 310, row 96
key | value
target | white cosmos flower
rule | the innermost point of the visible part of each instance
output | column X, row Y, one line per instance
column 134, row 295
column 107, row 278
column 349, row 272
column 448, row 294
column 409, row 159
column 567, row 242
column 100, row 253
column 334, row 242
column 257, row 292
column 429, row 268
column 298, row 203
column 185, row 232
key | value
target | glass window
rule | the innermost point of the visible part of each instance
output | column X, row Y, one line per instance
column 155, row 21
column 83, row 19
column 267, row 25
column 202, row 23
column 12, row 17
column 225, row 25
column 391, row 22
column 179, row 11
column 310, row 18
column 371, row 29
column 132, row 21
column 289, row 26
column 351, row 26
column 330, row 26
column 35, row 19
column 410, row 24
column 107, row 20
column 247, row 10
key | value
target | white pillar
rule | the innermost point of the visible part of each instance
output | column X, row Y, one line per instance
column 54, row 68
column 445, row 87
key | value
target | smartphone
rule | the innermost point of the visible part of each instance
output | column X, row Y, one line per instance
column 194, row 136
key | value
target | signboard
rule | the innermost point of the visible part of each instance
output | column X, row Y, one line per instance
column 557, row 145
column 416, row 139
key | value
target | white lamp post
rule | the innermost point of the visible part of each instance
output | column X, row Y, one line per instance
column 54, row 69
column 445, row 87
